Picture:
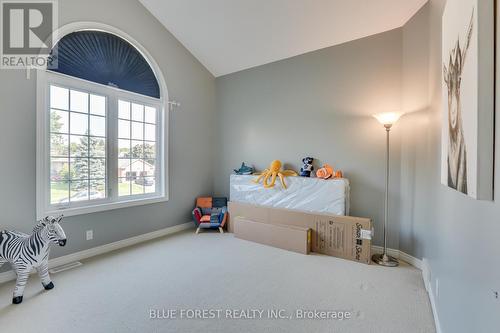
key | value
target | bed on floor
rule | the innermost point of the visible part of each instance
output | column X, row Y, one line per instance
column 306, row 194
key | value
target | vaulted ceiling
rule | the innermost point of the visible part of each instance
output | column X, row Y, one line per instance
column 227, row 36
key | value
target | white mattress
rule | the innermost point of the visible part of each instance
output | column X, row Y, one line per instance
column 308, row 194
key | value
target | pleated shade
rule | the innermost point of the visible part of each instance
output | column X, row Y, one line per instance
column 106, row 59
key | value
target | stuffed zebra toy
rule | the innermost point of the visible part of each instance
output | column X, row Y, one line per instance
column 25, row 252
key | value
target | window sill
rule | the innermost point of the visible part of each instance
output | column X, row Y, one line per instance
column 104, row 207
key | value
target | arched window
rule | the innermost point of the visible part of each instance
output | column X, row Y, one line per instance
column 107, row 59
column 101, row 125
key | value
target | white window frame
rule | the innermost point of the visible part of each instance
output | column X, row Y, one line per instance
column 112, row 201
column 43, row 131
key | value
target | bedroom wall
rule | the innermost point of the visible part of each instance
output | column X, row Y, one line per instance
column 318, row 104
column 191, row 140
column 458, row 235
column 415, row 142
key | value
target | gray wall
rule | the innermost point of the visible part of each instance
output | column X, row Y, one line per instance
column 415, row 142
column 457, row 234
column 320, row 105
column 191, row 140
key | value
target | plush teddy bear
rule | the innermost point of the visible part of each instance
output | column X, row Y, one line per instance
column 307, row 168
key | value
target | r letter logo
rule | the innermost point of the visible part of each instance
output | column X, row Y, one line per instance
column 27, row 32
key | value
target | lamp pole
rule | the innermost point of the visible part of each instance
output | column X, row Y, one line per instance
column 384, row 259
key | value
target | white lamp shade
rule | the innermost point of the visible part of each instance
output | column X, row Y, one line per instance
column 387, row 118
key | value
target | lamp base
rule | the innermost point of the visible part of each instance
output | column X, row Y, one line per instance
column 385, row 260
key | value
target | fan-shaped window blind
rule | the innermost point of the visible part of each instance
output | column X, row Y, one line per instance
column 106, row 59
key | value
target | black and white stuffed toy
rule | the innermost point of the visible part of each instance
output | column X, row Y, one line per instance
column 307, row 168
column 25, row 252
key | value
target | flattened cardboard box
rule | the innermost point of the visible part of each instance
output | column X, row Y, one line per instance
column 291, row 238
column 339, row 236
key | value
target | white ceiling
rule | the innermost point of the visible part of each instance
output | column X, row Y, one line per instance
column 231, row 35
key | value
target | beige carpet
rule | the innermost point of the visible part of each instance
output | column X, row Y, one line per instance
column 115, row 292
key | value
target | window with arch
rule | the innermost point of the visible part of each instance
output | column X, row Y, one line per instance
column 101, row 126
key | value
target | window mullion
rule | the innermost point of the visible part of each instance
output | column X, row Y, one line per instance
column 89, row 176
column 162, row 137
column 112, row 165
column 159, row 150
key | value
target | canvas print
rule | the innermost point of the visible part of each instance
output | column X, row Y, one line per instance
column 457, row 148
column 463, row 107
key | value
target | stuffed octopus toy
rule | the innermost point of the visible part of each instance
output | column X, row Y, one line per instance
column 25, row 252
column 274, row 172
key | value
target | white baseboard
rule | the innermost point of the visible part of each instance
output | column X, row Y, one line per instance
column 415, row 262
column 426, row 274
column 10, row 275
column 434, row 310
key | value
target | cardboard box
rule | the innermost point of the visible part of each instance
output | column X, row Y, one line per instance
column 291, row 238
column 339, row 236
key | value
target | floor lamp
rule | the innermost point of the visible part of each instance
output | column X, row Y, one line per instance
column 386, row 119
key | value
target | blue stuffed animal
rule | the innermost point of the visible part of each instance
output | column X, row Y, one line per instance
column 244, row 170
column 307, row 168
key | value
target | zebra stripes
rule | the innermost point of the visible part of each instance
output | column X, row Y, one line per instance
column 25, row 252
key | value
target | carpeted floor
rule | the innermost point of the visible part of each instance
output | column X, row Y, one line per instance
column 117, row 291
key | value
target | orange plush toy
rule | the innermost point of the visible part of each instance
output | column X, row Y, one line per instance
column 327, row 172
